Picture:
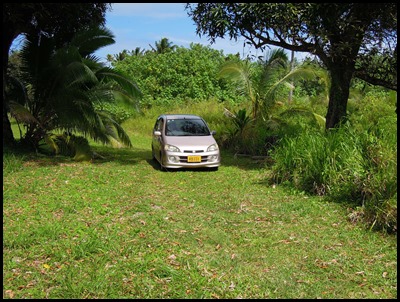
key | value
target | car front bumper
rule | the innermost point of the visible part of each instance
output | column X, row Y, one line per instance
column 183, row 160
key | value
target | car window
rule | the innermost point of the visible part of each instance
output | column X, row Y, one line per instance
column 186, row 127
column 159, row 124
column 172, row 128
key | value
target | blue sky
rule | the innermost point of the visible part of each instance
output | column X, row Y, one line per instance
column 140, row 24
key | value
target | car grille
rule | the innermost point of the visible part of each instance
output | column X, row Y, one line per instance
column 193, row 151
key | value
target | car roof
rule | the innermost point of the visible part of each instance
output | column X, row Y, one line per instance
column 180, row 116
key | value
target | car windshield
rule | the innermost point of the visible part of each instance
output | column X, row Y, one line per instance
column 186, row 127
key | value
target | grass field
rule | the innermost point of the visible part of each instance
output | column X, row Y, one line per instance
column 121, row 228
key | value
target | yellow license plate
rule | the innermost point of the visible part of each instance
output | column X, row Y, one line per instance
column 194, row 159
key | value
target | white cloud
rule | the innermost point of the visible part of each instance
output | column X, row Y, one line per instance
column 151, row 10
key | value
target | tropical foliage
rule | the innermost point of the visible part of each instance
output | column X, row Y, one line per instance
column 267, row 86
column 350, row 39
column 123, row 54
column 267, row 109
column 163, row 46
column 263, row 82
column 62, row 90
column 60, row 21
column 179, row 76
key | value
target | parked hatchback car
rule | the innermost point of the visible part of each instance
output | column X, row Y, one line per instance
column 184, row 141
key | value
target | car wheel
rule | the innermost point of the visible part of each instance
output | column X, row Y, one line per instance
column 153, row 156
column 162, row 168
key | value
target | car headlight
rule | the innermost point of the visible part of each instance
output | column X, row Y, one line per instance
column 213, row 147
column 171, row 148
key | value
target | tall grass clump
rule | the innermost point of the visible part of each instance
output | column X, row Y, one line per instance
column 310, row 161
column 12, row 160
column 356, row 164
column 376, row 115
column 11, row 163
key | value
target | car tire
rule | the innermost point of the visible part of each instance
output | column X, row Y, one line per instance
column 153, row 155
column 162, row 168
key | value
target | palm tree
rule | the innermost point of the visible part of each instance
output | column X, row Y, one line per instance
column 63, row 88
column 138, row 51
column 121, row 55
column 254, row 83
column 163, row 46
column 262, row 85
column 110, row 58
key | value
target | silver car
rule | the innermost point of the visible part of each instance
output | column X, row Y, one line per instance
column 184, row 141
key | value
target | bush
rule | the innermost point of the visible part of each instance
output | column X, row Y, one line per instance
column 355, row 164
column 172, row 78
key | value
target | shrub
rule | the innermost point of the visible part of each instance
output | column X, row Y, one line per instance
column 355, row 164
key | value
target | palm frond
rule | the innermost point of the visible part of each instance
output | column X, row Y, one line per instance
column 16, row 90
column 275, row 123
column 115, row 130
column 276, row 58
column 321, row 121
column 240, row 73
column 79, row 74
column 22, row 114
column 91, row 40
column 126, row 86
column 35, row 59
column 68, row 84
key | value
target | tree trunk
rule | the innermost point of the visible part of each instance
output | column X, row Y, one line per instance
column 8, row 137
column 338, row 95
column 291, row 82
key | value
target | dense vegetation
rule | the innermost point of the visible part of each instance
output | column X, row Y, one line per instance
column 179, row 76
column 58, row 21
column 63, row 89
column 120, row 227
column 292, row 213
column 271, row 108
column 356, row 164
column 350, row 39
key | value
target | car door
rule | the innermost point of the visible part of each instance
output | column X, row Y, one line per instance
column 157, row 139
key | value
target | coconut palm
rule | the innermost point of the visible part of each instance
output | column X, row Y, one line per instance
column 63, row 88
column 263, row 83
column 163, row 46
column 138, row 52
column 254, row 82
column 121, row 55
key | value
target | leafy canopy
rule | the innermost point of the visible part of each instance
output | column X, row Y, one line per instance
column 346, row 37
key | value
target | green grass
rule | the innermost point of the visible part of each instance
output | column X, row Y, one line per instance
column 119, row 227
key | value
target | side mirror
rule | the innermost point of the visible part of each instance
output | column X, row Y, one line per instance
column 157, row 133
column 213, row 132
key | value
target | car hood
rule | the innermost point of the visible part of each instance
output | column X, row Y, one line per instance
column 191, row 142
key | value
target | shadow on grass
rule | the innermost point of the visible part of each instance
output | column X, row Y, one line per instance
column 134, row 155
column 130, row 156
column 103, row 154
column 123, row 156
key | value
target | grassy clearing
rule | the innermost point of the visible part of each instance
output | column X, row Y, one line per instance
column 121, row 228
